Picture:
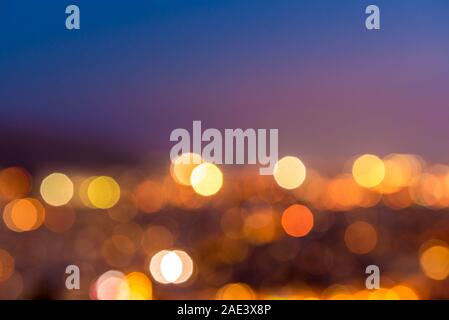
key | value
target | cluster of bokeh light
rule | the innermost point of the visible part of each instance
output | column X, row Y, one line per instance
column 124, row 227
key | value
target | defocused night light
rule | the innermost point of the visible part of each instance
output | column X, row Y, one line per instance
column 155, row 266
column 405, row 292
column 156, row 238
column 103, row 192
column 206, row 179
column 187, row 266
column 24, row 215
column 83, row 196
column 429, row 191
column 297, row 220
column 236, row 291
column 6, row 265
column 112, row 285
column 15, row 183
column 435, row 262
column 149, row 196
column 383, row 294
column 398, row 200
column 181, row 169
column 171, row 267
column 260, row 227
column 57, row 189
column 140, row 287
column 289, row 172
column 337, row 292
column 59, row 219
column 400, row 171
column 360, row 237
column 368, row 170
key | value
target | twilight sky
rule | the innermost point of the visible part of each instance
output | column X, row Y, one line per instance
column 139, row 69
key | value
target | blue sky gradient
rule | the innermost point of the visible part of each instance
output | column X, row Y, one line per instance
column 138, row 69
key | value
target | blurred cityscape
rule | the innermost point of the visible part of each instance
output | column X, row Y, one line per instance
column 86, row 179
column 200, row 231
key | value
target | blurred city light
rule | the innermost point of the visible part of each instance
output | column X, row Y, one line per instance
column 103, row 192
column 206, row 179
column 368, row 170
column 57, row 189
column 321, row 228
column 289, row 172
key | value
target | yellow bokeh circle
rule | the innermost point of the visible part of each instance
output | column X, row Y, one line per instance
column 103, row 192
column 368, row 171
